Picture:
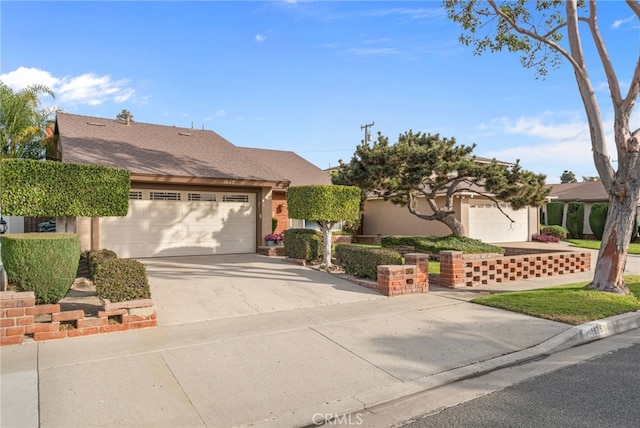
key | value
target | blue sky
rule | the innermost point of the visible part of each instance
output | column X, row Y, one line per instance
column 305, row 75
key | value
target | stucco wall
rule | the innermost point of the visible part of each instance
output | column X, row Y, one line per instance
column 384, row 218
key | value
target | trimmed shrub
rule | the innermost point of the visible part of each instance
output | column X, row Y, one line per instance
column 597, row 218
column 55, row 189
column 120, row 280
column 363, row 262
column 444, row 243
column 555, row 213
column 94, row 258
column 303, row 244
column 557, row 231
column 274, row 225
column 45, row 263
column 575, row 219
column 324, row 203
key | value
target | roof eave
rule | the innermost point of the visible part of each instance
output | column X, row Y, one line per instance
column 206, row 181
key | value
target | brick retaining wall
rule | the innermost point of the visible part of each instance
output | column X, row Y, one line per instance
column 20, row 317
column 459, row 270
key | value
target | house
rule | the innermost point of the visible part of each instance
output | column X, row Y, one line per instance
column 589, row 192
column 299, row 172
column 480, row 216
column 192, row 191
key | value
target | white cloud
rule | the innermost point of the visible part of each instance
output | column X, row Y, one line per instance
column 221, row 113
column 619, row 22
column 412, row 13
column 549, row 143
column 23, row 77
column 375, row 51
column 89, row 88
column 260, row 38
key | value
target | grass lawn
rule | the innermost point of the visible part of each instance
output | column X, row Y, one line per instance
column 595, row 245
column 571, row 303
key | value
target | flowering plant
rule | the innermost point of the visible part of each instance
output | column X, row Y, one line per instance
column 274, row 237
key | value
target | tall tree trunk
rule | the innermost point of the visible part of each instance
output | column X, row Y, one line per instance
column 457, row 228
column 612, row 258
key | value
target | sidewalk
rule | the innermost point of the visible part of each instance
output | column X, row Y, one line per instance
column 287, row 368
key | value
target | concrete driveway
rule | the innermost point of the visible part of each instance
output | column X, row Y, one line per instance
column 200, row 288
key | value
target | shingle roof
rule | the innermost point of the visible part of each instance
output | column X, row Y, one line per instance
column 586, row 191
column 299, row 171
column 144, row 148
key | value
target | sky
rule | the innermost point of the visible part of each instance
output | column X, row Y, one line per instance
column 305, row 76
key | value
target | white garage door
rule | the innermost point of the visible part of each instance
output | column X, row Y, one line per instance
column 488, row 224
column 168, row 223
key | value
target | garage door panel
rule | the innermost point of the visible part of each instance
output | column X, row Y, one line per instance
column 154, row 228
column 488, row 224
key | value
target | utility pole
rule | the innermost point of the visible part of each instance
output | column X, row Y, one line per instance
column 367, row 135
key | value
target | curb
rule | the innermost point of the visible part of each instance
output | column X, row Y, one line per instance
column 341, row 410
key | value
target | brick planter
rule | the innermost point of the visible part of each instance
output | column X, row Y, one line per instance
column 20, row 317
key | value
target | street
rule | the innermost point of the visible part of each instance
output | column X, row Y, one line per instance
column 562, row 389
column 597, row 393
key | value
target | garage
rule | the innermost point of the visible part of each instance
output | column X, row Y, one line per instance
column 182, row 223
column 488, row 224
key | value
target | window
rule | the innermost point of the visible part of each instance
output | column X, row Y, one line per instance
column 135, row 194
column 202, row 197
column 235, row 198
column 165, row 196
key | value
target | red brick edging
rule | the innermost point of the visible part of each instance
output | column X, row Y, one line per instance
column 20, row 317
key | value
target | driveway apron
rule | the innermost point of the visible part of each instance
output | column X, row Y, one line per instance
column 202, row 288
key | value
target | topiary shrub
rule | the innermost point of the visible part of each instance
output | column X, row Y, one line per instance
column 575, row 219
column 555, row 213
column 557, row 231
column 45, row 263
column 303, row 244
column 55, row 189
column 363, row 262
column 597, row 218
column 94, row 258
column 443, row 243
column 120, row 280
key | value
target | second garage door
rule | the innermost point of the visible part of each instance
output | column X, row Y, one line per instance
column 179, row 223
column 488, row 224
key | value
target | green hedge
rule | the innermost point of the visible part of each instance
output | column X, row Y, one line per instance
column 55, row 189
column 363, row 262
column 324, row 203
column 444, row 243
column 597, row 218
column 45, row 263
column 555, row 213
column 575, row 219
column 303, row 244
column 557, row 231
column 120, row 280
column 94, row 258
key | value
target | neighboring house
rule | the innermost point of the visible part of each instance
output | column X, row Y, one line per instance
column 299, row 172
column 589, row 192
column 480, row 216
column 192, row 191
